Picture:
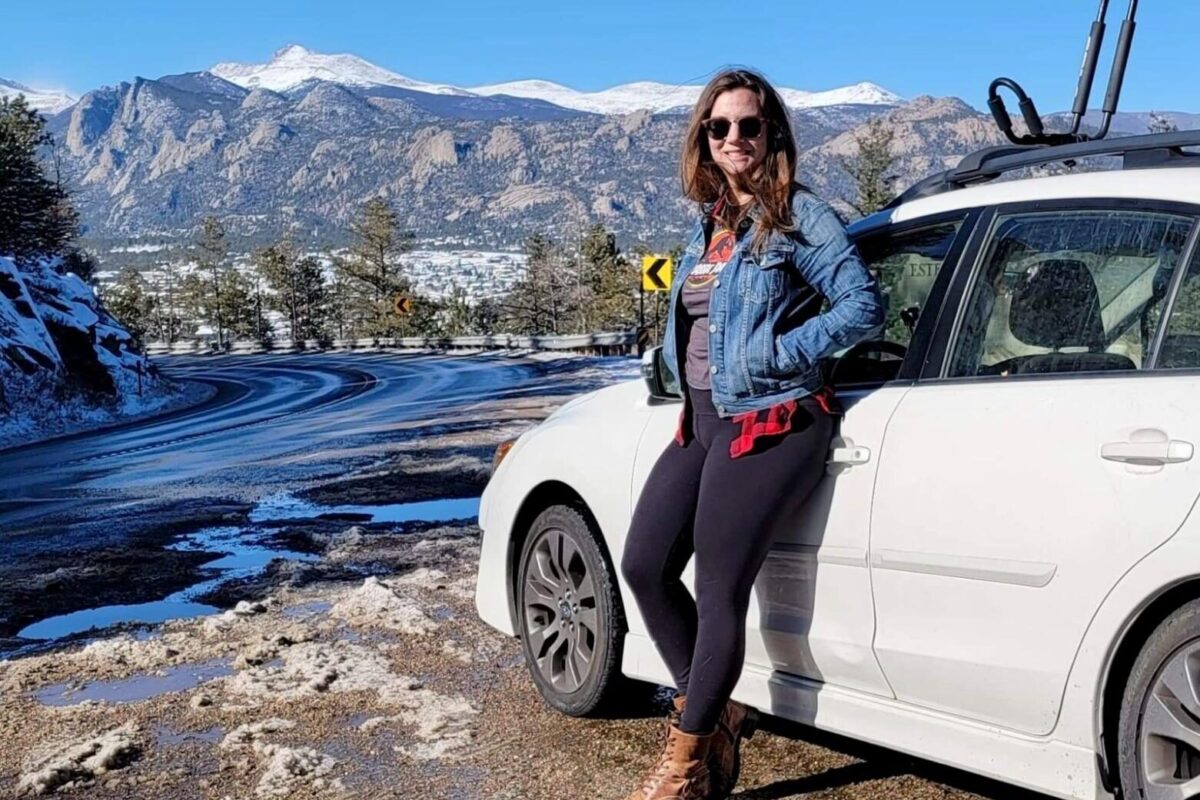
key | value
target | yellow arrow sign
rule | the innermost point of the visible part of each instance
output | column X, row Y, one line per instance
column 401, row 304
column 656, row 273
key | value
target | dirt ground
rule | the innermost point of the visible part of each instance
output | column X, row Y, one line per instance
column 368, row 674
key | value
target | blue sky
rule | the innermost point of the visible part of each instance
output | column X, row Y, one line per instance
column 940, row 47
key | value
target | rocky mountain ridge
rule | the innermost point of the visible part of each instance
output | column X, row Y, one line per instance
column 147, row 158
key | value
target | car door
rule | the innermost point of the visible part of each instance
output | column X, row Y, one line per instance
column 1038, row 458
column 812, row 614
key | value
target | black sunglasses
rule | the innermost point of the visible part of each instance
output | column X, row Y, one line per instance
column 748, row 127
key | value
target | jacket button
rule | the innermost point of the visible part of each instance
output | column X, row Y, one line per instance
column 712, row 328
column 720, row 409
column 717, row 282
column 713, row 369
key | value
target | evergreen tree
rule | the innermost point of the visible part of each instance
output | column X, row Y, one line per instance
column 168, row 324
column 129, row 300
column 212, row 251
column 458, row 318
column 485, row 316
column 238, row 309
column 1159, row 123
column 299, row 289
column 612, row 283
column 543, row 301
column 373, row 274
column 36, row 217
column 870, row 168
column 312, row 319
column 339, row 302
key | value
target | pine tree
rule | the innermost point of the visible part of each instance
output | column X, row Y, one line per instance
column 485, row 317
column 238, row 309
column 129, row 300
column 168, row 325
column 212, row 251
column 1160, row 123
column 544, row 300
column 871, row 167
column 299, row 289
column 373, row 273
column 36, row 217
column 458, row 317
column 611, row 280
column 312, row 320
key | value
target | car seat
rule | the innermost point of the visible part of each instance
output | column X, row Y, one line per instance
column 1056, row 305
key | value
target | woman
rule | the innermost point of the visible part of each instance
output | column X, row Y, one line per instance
column 746, row 332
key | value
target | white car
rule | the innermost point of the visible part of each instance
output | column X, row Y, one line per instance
column 1001, row 571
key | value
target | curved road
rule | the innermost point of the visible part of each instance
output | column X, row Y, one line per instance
column 273, row 421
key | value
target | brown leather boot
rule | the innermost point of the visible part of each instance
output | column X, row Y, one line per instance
column 737, row 722
column 681, row 772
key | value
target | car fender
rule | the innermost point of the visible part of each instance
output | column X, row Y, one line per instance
column 589, row 450
column 1174, row 562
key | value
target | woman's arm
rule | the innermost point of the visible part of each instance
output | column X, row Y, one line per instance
column 830, row 263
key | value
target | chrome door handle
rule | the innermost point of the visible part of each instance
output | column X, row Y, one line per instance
column 1149, row 454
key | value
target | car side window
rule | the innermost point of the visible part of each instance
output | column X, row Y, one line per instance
column 1181, row 341
column 905, row 266
column 1068, row 291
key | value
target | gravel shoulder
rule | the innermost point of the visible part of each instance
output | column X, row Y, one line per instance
column 367, row 673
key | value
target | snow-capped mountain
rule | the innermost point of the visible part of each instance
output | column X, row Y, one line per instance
column 630, row 97
column 293, row 65
column 48, row 101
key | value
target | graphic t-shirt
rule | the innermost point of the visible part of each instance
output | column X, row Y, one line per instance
column 696, row 291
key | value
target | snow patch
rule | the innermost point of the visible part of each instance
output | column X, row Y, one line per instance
column 286, row 768
column 384, row 605
column 442, row 722
column 78, row 763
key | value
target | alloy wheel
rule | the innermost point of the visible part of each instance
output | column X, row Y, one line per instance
column 1169, row 739
column 561, row 620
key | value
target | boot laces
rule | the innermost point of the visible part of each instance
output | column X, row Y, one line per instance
column 661, row 771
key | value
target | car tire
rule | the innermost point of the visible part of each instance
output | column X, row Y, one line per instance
column 572, row 623
column 1162, row 697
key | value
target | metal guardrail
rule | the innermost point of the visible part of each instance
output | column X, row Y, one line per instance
column 608, row 343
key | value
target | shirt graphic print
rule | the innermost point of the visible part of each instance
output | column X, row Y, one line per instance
column 719, row 251
column 696, row 291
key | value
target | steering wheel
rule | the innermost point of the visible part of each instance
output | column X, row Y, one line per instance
column 871, row 346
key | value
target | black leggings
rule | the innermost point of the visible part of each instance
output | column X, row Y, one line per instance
column 699, row 500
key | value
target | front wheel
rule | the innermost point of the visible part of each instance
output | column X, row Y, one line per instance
column 1159, row 732
column 572, row 623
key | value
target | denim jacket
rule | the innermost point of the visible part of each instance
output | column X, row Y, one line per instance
column 767, row 333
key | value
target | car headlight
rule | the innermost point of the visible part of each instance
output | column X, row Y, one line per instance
column 501, row 452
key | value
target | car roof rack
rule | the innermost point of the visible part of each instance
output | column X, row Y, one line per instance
column 1137, row 152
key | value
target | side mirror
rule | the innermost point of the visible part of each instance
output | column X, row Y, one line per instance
column 659, row 380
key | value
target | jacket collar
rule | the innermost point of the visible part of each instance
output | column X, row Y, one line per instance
column 707, row 210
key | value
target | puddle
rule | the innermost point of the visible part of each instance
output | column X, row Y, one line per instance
column 167, row 737
column 244, row 556
column 136, row 688
column 313, row 608
column 103, row 617
column 288, row 507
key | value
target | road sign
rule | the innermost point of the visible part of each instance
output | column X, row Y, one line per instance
column 656, row 273
column 401, row 304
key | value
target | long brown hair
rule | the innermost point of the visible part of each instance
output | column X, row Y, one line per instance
column 772, row 183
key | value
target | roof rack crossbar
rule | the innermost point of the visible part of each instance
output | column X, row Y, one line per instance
column 990, row 163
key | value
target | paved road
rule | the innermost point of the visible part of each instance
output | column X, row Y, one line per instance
column 272, row 421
